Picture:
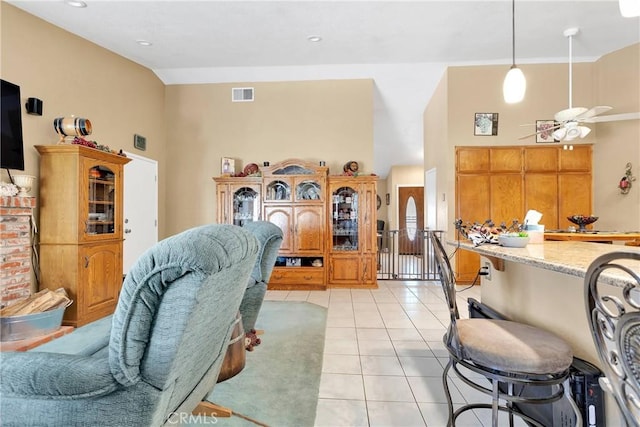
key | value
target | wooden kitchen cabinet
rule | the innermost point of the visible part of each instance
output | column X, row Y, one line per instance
column 574, row 197
column 81, row 229
column 541, row 159
column 577, row 160
column 505, row 159
column 506, row 182
column 542, row 195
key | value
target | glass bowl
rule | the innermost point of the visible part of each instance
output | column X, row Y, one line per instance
column 582, row 220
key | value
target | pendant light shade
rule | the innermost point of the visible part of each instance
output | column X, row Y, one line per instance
column 629, row 8
column 515, row 85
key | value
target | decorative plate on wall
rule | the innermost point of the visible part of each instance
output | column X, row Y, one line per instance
column 378, row 201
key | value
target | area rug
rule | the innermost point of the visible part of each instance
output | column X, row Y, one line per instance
column 280, row 382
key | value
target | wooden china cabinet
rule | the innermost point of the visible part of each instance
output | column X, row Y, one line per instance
column 238, row 199
column 81, row 233
column 324, row 243
column 352, row 239
column 294, row 197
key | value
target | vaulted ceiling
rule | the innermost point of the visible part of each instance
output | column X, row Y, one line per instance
column 214, row 41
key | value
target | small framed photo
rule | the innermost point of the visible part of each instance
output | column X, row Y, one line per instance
column 387, row 199
column 544, row 131
column 228, row 166
column 485, row 124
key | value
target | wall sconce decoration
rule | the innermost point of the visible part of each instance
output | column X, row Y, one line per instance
column 625, row 183
column 387, row 199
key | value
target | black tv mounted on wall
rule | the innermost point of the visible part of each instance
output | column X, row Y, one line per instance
column 12, row 153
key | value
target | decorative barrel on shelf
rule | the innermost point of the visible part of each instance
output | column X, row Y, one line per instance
column 71, row 126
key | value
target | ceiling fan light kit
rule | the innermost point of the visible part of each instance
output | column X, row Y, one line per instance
column 570, row 132
column 515, row 84
column 569, row 121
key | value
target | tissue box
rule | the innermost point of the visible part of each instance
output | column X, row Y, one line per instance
column 535, row 232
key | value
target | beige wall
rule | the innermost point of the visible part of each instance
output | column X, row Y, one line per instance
column 401, row 176
column 436, row 149
column 383, row 212
column 74, row 76
column 330, row 120
column 617, row 83
column 612, row 80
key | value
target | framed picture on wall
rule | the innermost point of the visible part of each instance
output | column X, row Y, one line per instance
column 544, row 130
column 485, row 124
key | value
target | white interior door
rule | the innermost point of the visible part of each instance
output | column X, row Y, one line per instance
column 140, row 208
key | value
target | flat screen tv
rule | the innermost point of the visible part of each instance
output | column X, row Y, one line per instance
column 12, row 153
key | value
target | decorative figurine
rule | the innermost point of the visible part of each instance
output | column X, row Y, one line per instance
column 625, row 183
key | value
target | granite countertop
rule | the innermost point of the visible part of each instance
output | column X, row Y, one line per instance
column 568, row 257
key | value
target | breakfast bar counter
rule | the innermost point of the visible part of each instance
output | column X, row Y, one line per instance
column 567, row 257
column 543, row 285
column 594, row 236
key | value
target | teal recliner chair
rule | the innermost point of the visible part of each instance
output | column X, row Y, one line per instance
column 270, row 238
column 169, row 336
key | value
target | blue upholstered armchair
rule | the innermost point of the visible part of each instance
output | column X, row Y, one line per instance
column 270, row 238
column 168, row 339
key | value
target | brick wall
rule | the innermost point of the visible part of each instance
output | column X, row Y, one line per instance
column 15, row 248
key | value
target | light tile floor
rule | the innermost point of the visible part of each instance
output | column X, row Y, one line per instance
column 384, row 357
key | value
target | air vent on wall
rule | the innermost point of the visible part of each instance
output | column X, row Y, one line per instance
column 242, row 94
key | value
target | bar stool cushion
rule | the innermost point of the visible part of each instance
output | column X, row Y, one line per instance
column 513, row 347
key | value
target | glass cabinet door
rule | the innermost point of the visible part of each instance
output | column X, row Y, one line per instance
column 308, row 189
column 246, row 206
column 278, row 190
column 344, row 212
column 102, row 196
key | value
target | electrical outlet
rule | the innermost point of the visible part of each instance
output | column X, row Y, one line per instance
column 487, row 268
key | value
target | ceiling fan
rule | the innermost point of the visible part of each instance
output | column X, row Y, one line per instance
column 569, row 121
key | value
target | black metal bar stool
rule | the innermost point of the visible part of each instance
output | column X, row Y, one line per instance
column 523, row 364
column 614, row 317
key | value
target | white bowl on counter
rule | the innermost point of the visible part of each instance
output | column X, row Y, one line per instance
column 513, row 241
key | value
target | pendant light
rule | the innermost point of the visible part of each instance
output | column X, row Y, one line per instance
column 515, row 85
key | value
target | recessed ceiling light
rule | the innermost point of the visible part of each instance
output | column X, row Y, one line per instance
column 314, row 39
column 144, row 42
column 76, row 3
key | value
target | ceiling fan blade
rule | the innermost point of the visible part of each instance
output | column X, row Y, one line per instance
column 613, row 118
column 595, row 111
column 569, row 114
column 550, row 129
